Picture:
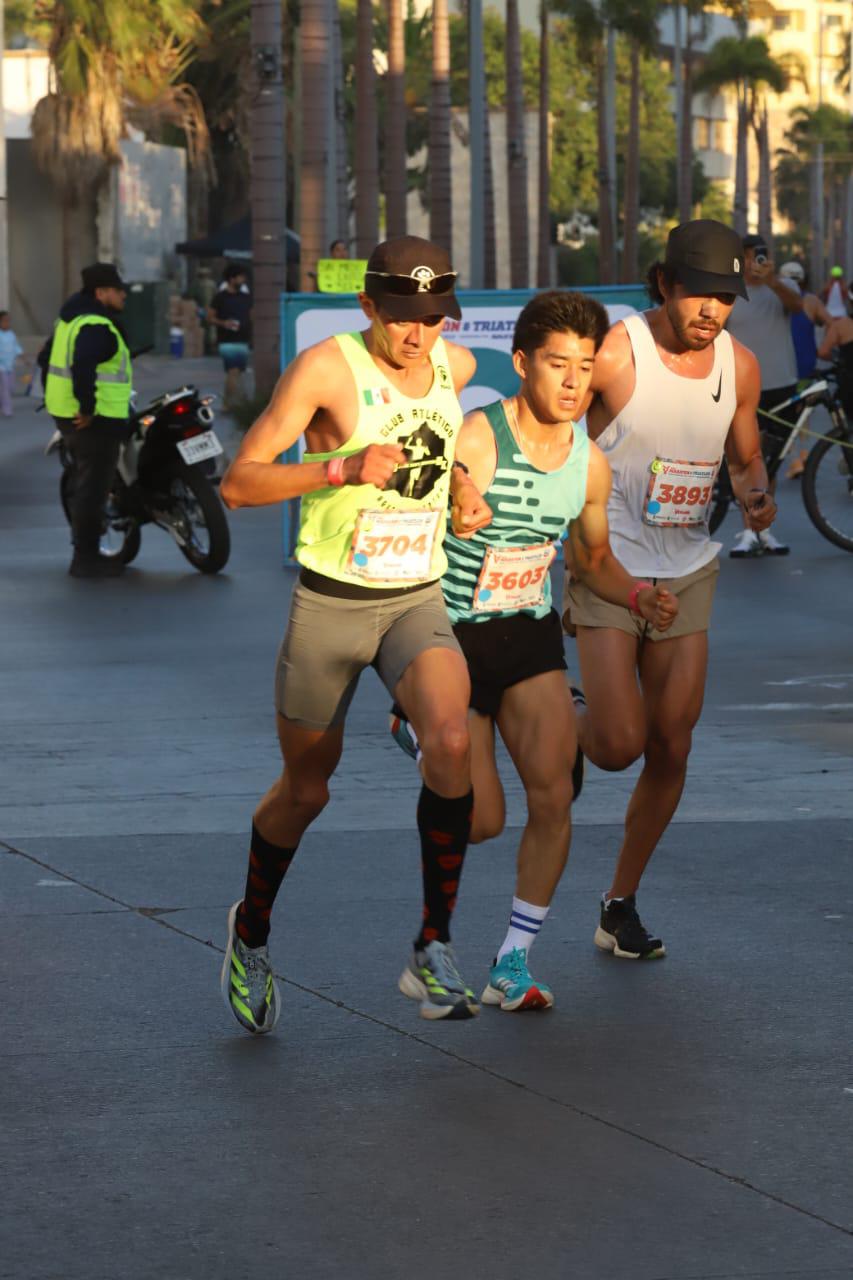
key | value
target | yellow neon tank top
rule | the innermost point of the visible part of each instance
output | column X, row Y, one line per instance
column 426, row 428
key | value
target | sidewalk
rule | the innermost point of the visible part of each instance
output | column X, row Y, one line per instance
column 682, row 1120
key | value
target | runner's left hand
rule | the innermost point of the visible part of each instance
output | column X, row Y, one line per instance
column 658, row 606
column 760, row 511
column 470, row 511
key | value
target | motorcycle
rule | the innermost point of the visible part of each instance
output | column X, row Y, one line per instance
column 166, row 474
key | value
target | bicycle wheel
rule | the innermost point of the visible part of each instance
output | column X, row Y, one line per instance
column 828, row 487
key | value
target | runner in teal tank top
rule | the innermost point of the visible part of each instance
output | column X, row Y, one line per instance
column 531, row 511
column 541, row 477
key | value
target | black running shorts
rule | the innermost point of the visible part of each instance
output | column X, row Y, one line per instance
column 504, row 651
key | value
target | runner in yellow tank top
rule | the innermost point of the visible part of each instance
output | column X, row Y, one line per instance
column 380, row 415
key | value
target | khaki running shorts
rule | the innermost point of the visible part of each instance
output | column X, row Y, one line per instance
column 695, row 592
column 329, row 641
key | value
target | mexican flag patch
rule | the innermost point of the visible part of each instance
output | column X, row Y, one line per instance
column 377, row 395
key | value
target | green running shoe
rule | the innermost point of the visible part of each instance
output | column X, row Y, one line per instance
column 432, row 977
column 512, row 987
column 247, row 983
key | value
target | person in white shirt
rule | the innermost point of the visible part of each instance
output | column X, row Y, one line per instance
column 673, row 393
column 10, row 349
column 762, row 322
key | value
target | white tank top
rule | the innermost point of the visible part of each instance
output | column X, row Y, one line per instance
column 664, row 449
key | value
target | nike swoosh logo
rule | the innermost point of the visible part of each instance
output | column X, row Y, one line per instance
column 716, row 398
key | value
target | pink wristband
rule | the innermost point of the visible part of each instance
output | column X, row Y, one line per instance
column 335, row 472
column 634, row 593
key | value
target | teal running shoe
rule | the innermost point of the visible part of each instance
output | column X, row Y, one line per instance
column 432, row 977
column 247, row 983
column 513, row 988
column 403, row 734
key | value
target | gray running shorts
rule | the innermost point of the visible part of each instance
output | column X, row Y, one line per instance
column 329, row 641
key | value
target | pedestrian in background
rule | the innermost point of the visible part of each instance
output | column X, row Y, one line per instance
column 10, row 349
column 762, row 324
column 804, row 326
column 231, row 313
column 835, row 294
column 87, row 390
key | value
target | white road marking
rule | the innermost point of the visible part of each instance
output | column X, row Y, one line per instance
column 57, row 884
column 820, row 682
column 789, row 706
column 833, row 917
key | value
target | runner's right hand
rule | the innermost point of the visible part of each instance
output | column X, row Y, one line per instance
column 374, row 465
column 658, row 606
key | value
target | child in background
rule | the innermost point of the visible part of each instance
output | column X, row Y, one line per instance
column 10, row 349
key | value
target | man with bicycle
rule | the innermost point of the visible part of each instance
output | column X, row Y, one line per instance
column 673, row 392
column 762, row 322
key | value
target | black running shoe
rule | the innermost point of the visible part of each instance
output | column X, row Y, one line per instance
column 577, row 768
column 621, row 931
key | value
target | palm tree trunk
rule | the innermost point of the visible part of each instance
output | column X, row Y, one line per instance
column 543, row 246
column 267, row 191
column 606, row 271
column 395, row 124
column 340, row 140
column 630, row 267
column 740, row 210
column 314, row 33
column 685, row 142
column 490, row 255
column 440, row 190
column 765, row 191
column 519, row 251
column 366, row 151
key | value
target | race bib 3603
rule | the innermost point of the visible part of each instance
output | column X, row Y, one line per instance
column 679, row 492
column 513, row 578
column 393, row 546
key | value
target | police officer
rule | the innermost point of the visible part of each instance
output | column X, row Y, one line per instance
column 87, row 390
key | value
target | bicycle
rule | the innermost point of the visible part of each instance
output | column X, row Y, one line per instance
column 827, row 479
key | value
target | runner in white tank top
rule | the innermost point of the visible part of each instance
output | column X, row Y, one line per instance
column 673, row 392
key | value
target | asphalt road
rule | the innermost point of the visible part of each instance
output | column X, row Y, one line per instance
column 687, row 1120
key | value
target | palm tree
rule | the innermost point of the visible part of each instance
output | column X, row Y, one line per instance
column 543, row 244
column 366, row 167
column 638, row 21
column 440, row 188
column 107, row 60
column 267, row 192
column 812, row 131
column 519, row 252
column 314, row 49
column 748, row 65
column 395, row 123
column 591, row 19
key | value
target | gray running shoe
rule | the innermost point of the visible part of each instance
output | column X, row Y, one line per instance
column 431, row 976
column 247, row 983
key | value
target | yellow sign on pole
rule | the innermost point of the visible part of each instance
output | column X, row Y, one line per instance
column 340, row 275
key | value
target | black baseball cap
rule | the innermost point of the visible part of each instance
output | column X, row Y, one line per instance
column 409, row 278
column 707, row 257
column 102, row 275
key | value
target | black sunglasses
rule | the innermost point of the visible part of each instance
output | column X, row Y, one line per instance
column 408, row 286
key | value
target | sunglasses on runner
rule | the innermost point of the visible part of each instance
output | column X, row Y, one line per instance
column 408, row 286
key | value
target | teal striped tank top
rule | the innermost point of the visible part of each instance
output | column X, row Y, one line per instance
column 531, row 508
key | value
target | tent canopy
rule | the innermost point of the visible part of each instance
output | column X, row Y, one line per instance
column 234, row 241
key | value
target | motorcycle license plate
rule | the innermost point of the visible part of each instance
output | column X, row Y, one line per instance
column 198, row 448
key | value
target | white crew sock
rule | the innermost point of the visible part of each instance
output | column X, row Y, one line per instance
column 524, row 924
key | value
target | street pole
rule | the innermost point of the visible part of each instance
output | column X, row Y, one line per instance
column 818, row 262
column 677, row 74
column 267, row 190
column 611, row 141
column 4, row 233
column 477, row 134
column 848, row 210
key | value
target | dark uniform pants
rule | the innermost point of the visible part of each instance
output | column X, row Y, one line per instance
column 93, row 451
